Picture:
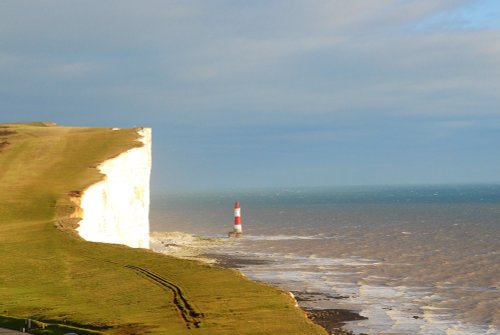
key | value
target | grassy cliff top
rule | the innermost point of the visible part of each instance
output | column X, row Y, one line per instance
column 50, row 275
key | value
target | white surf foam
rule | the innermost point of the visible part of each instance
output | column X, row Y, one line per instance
column 185, row 245
column 286, row 237
column 333, row 283
column 399, row 309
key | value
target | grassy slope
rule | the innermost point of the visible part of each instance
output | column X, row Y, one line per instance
column 47, row 274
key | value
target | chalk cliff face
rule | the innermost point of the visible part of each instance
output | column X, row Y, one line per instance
column 116, row 209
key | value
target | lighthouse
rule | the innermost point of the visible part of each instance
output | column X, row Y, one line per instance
column 237, row 232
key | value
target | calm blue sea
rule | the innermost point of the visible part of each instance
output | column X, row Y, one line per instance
column 412, row 259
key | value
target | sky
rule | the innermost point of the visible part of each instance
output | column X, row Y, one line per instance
column 268, row 93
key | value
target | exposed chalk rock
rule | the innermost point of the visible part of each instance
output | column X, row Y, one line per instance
column 116, row 209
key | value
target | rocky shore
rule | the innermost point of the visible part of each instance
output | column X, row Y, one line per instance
column 188, row 246
column 332, row 320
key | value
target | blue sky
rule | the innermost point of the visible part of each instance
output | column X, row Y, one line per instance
column 268, row 93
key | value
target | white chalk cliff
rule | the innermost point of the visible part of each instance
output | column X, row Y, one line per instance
column 116, row 209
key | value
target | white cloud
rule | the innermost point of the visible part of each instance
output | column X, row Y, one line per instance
column 300, row 57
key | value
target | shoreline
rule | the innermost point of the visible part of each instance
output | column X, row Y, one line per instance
column 187, row 246
column 331, row 319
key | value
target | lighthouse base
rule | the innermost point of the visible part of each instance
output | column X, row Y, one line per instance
column 235, row 234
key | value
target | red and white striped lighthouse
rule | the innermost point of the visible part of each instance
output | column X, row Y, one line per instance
column 237, row 231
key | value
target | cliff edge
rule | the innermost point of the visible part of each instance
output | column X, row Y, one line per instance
column 116, row 209
column 69, row 285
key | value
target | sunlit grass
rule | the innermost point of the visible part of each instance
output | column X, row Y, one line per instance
column 52, row 276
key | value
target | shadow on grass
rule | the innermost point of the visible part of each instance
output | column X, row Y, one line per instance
column 43, row 328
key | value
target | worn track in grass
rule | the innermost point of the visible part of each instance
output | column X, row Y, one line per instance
column 191, row 317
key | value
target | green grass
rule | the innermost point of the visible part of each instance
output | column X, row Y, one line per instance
column 50, row 275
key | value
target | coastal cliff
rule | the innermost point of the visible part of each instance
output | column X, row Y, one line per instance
column 116, row 209
column 65, row 284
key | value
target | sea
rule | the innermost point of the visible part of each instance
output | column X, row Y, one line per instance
column 409, row 259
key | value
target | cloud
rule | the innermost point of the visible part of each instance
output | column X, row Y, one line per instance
column 263, row 47
column 346, row 82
